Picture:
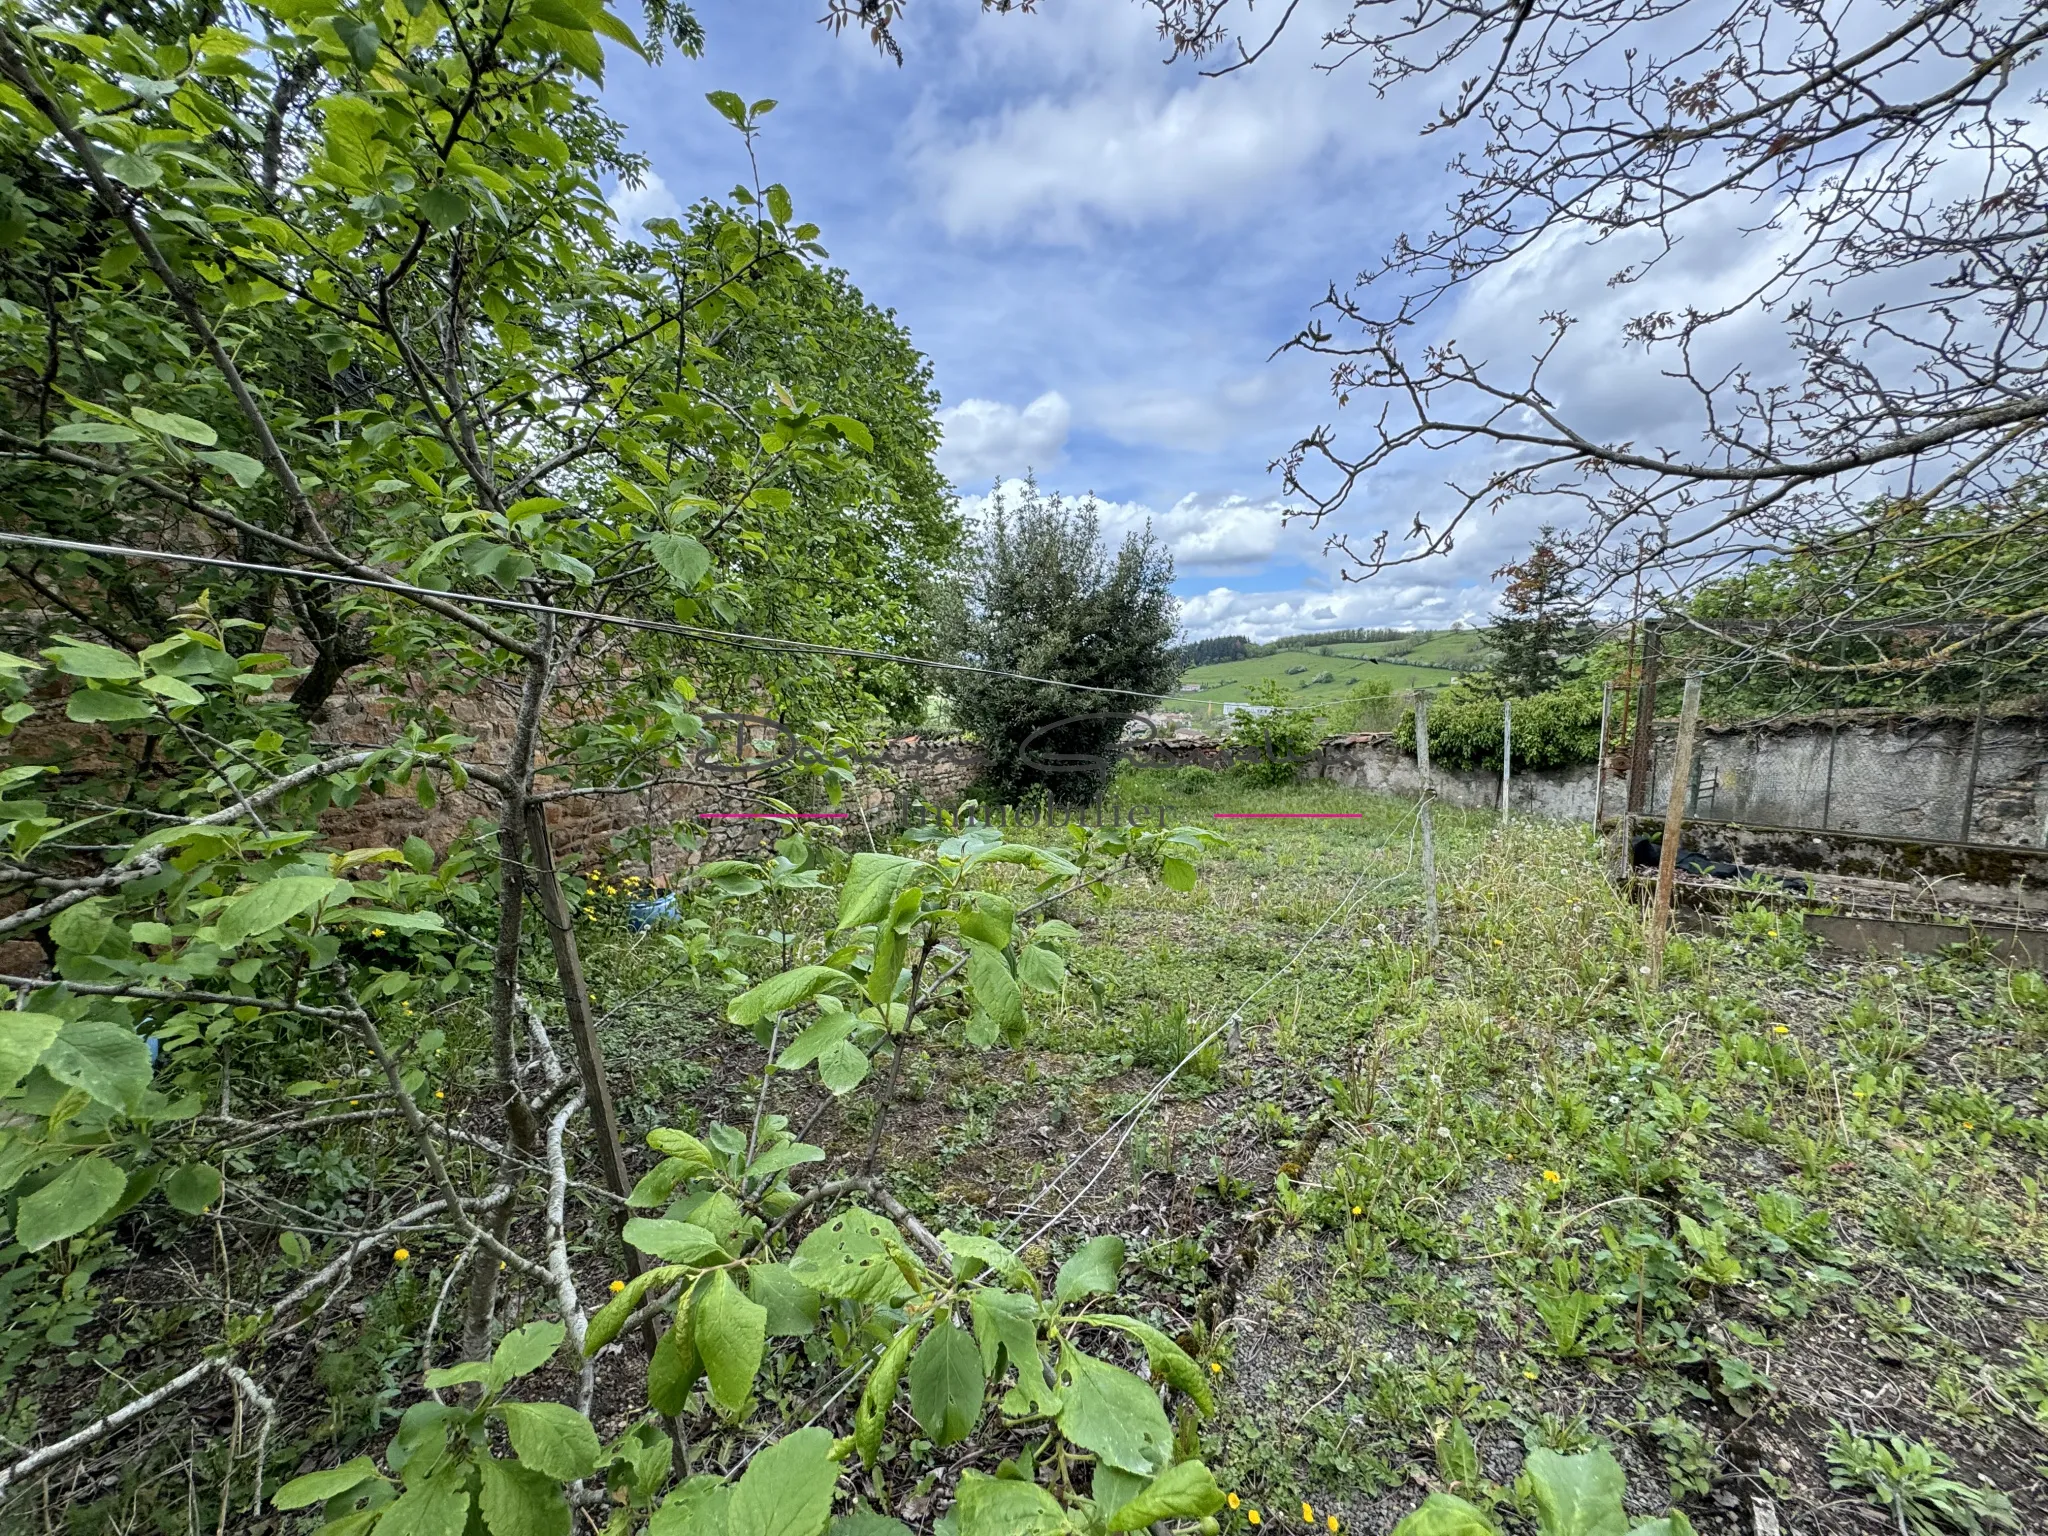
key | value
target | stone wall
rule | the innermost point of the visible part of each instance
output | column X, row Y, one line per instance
column 1896, row 776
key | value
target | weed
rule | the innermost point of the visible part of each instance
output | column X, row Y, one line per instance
column 1910, row 1478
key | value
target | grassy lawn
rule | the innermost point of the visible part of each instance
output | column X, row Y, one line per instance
column 1417, row 662
column 1742, row 1230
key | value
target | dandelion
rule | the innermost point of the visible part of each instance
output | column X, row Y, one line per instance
column 1781, row 1029
column 1215, row 1369
column 1253, row 1517
column 1552, row 1176
column 1969, row 1125
column 1332, row 1523
column 439, row 1094
column 1308, row 1514
column 1358, row 1210
column 618, row 1286
column 1528, row 1375
column 611, row 890
column 400, row 1255
column 376, row 933
column 1231, row 1500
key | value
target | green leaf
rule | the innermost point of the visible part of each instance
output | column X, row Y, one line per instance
column 865, row 1522
column 872, row 883
column 855, row 432
column 194, row 1188
column 682, row 1146
column 93, row 432
column 23, row 1039
column 683, row 559
column 779, row 993
column 792, row 1306
column 1107, row 1410
column 84, row 927
column 517, row 1501
column 991, row 921
column 444, row 208
column 69, row 1203
column 815, row 1040
column 698, row 1508
column 729, row 107
column 1673, row 1524
column 786, row 1489
column 524, row 1351
column 238, row 467
column 946, row 1383
column 673, row 1371
column 463, row 1374
column 96, row 1056
column 1185, row 1491
column 872, row 1416
column 552, row 1439
column 273, row 904
column 843, row 1068
column 170, row 424
column 1041, row 968
column 437, row 1507
column 1170, row 1363
column 853, row 1256
column 673, row 1242
column 1457, row 1458
column 177, row 690
column 1006, row 1327
column 989, row 1253
column 1178, row 874
column 1444, row 1514
column 319, row 1487
column 1092, row 1270
column 100, row 662
column 1578, row 1495
column 791, row 1154
column 1002, row 1506
column 132, row 170
column 103, row 706
column 730, row 1333
column 610, row 1319
column 994, row 989
column 781, row 210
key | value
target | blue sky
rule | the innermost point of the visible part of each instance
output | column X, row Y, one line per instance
column 1099, row 252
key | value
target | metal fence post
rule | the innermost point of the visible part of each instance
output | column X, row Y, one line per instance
column 1507, row 752
column 1428, row 823
column 1674, row 825
column 1600, row 757
column 1976, row 755
column 1646, row 718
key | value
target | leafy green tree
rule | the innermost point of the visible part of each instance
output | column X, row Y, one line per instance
column 1042, row 596
column 1540, row 626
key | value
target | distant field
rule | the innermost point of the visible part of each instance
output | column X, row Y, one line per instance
column 1421, row 664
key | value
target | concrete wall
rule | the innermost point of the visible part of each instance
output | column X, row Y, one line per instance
column 1891, row 776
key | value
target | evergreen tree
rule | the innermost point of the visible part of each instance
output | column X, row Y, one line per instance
column 1541, row 625
column 1044, row 596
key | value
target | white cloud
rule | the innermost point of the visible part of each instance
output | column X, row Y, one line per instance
column 634, row 206
column 1205, row 533
column 1262, row 616
column 986, row 438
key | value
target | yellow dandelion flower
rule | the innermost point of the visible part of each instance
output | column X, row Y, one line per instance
column 1552, row 1176
column 1528, row 1375
column 618, row 1286
column 439, row 1094
column 1332, row 1523
column 1215, row 1369
column 1231, row 1500
column 376, row 933
column 1308, row 1513
column 400, row 1255
column 1781, row 1029
column 1253, row 1517
column 1358, row 1210
column 1969, row 1125
column 611, row 890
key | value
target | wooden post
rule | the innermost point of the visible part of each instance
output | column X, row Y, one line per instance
column 1428, row 823
column 1600, row 761
column 1976, row 756
column 1646, row 718
column 597, row 1093
column 1674, row 825
column 1507, row 753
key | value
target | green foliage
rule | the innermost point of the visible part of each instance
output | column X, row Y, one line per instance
column 1043, row 597
column 1541, row 629
column 1272, row 748
column 1910, row 1479
column 1550, row 730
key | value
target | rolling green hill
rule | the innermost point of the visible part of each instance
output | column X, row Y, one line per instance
column 1427, row 659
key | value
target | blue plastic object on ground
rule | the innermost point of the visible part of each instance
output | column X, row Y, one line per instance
column 643, row 915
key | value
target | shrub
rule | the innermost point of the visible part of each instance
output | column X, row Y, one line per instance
column 1551, row 730
column 1270, row 749
column 1193, row 780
